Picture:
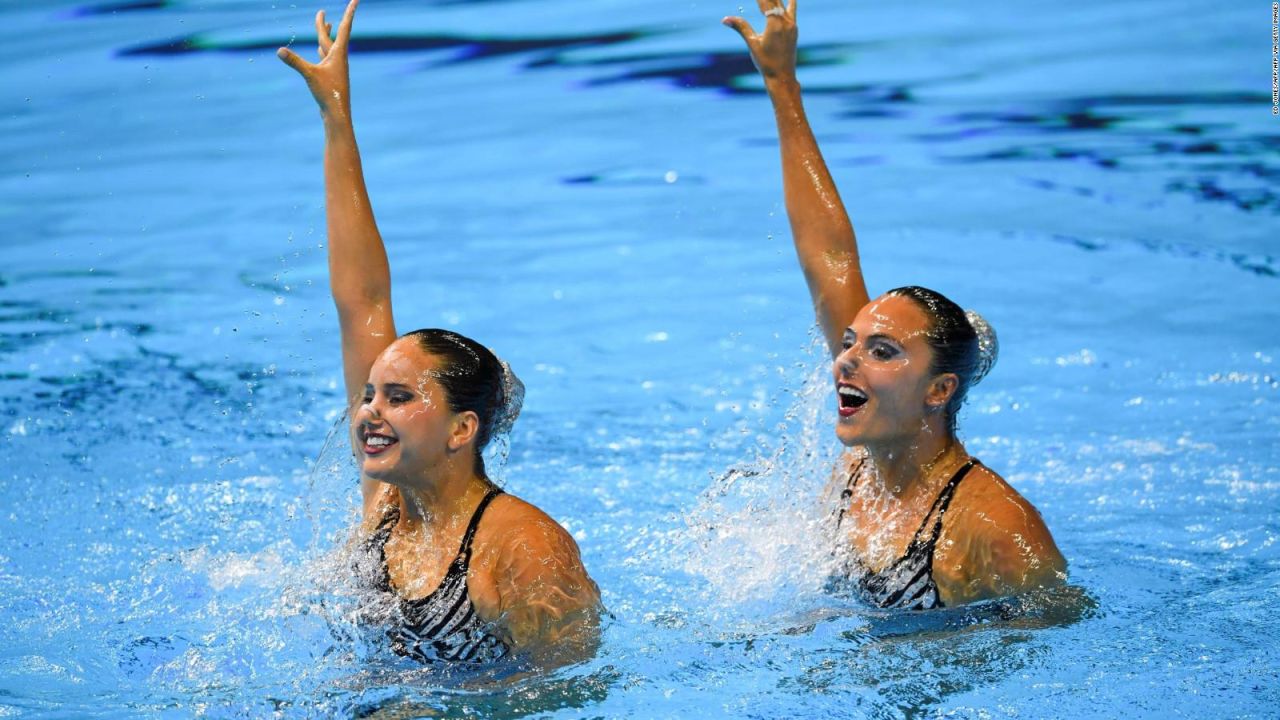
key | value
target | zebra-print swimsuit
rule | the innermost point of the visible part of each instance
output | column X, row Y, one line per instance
column 442, row 626
column 907, row 583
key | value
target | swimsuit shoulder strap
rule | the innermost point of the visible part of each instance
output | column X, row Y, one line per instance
column 377, row 542
column 465, row 550
column 941, row 504
column 847, row 493
column 383, row 531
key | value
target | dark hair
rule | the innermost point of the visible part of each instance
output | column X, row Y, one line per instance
column 953, row 340
column 472, row 378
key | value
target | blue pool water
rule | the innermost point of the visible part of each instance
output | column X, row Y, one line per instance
column 592, row 189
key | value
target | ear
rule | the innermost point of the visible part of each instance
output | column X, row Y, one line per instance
column 941, row 388
column 463, row 429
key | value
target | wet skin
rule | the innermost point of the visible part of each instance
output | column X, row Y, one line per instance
column 886, row 358
column 994, row 542
column 403, row 405
column 526, row 574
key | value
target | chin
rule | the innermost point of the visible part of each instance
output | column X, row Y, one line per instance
column 389, row 478
column 849, row 437
column 377, row 471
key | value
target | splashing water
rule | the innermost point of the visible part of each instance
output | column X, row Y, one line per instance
column 761, row 537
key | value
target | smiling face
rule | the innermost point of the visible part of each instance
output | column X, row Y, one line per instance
column 886, row 390
column 404, row 428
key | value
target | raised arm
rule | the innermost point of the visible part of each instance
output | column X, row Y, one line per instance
column 359, row 275
column 820, row 227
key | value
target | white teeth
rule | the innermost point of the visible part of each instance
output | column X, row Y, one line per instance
column 376, row 441
column 851, row 392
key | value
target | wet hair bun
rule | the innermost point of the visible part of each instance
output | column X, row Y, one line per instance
column 988, row 345
column 512, row 400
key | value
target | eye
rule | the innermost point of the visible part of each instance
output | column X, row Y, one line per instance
column 399, row 397
column 881, row 351
column 367, row 398
column 847, row 341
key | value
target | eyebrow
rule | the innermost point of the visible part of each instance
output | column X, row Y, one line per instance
column 874, row 336
column 389, row 386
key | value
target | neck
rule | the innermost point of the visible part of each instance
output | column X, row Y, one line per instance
column 443, row 493
column 906, row 467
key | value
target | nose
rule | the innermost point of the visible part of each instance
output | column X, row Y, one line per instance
column 368, row 412
column 846, row 361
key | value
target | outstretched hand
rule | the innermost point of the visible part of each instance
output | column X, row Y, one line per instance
column 328, row 79
column 774, row 50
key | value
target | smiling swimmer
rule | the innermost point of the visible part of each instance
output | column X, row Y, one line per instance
column 925, row 524
column 471, row 573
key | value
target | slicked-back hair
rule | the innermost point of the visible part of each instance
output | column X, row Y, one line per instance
column 953, row 340
column 471, row 376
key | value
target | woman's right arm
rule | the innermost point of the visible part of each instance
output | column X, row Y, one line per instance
column 820, row 226
column 359, row 275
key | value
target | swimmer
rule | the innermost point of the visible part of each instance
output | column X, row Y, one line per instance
column 471, row 573
column 925, row 524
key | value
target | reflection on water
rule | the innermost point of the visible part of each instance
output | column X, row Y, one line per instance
column 463, row 48
column 1202, row 156
column 489, row 698
column 126, row 6
column 1125, row 132
column 1258, row 264
column 1198, row 143
column 905, row 664
column 1053, row 607
column 112, row 8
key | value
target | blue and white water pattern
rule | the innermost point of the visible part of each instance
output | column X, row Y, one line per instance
column 592, row 189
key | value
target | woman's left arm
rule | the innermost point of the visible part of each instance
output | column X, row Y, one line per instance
column 549, row 606
column 997, row 547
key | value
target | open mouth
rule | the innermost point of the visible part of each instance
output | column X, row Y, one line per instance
column 851, row 399
column 375, row 443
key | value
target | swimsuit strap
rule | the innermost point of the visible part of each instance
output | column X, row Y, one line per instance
column 465, row 550
column 848, row 490
column 378, row 541
column 382, row 533
column 940, row 505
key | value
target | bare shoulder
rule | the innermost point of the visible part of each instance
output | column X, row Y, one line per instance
column 511, row 523
column 518, row 544
column 994, row 541
column 528, row 574
column 986, row 505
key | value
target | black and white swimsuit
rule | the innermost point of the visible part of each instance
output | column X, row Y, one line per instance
column 907, row 583
column 443, row 626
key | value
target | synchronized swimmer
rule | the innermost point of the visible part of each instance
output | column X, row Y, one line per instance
column 924, row 523
column 423, row 406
